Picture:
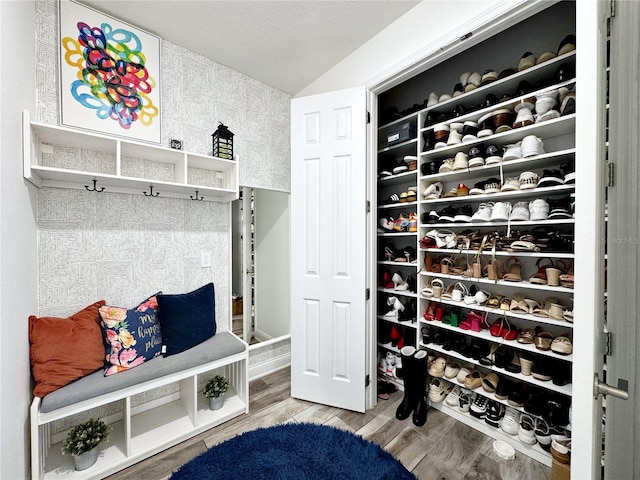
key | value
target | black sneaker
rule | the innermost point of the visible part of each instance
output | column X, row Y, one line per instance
column 493, row 155
column 475, row 156
column 560, row 208
column 478, row 407
column 551, row 178
column 463, row 214
column 429, row 168
column 431, row 217
column 494, row 413
column 569, row 170
column 478, row 188
column 448, row 214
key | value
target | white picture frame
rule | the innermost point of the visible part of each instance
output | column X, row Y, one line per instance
column 109, row 75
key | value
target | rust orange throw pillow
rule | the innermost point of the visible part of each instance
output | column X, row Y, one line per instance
column 65, row 349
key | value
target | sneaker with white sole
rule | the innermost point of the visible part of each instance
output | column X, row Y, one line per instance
column 461, row 161
column 483, row 214
column 523, row 118
column 464, row 400
column 495, row 413
column 433, row 191
column 511, row 421
column 492, row 185
column 551, row 178
column 447, row 166
column 526, row 430
column 538, row 210
column 478, row 407
column 438, row 390
column 520, row 212
column 511, row 185
column 454, row 138
column 492, row 155
column 528, row 180
column 501, row 211
column 532, row 146
column 512, row 152
column 452, row 397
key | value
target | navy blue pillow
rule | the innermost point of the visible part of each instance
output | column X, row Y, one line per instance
column 186, row 319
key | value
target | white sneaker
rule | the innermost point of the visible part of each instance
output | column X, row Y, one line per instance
column 545, row 101
column 510, row 185
column 447, row 166
column 532, row 146
column 511, row 421
column 461, row 160
column 484, row 213
column 454, row 137
column 512, row 152
column 433, row 191
column 526, row 430
column 524, row 118
column 453, row 397
column 528, row 180
column 387, row 223
column 501, row 211
column 433, row 99
column 520, row 212
column 538, row 210
column 492, row 185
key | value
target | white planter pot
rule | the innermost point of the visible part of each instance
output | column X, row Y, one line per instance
column 216, row 403
column 86, row 459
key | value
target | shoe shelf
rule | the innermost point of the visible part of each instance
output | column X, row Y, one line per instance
column 517, row 165
column 388, row 346
column 403, row 293
column 503, row 283
column 508, row 104
column 401, row 119
column 390, row 378
column 397, row 264
column 532, row 451
column 485, row 335
column 397, row 205
column 498, row 253
column 548, row 385
column 515, row 223
column 404, row 323
column 484, row 393
column 507, row 313
column 505, row 196
column 549, row 129
column 397, row 234
column 398, row 179
column 411, row 143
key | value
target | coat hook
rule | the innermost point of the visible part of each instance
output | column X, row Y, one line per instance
column 196, row 197
column 94, row 189
column 151, row 192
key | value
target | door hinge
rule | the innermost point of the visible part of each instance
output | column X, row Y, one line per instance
column 368, row 206
column 611, row 171
column 607, row 347
column 367, row 293
column 367, row 380
column 612, row 8
column 368, row 117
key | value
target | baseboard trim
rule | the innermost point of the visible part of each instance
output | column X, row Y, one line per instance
column 270, row 366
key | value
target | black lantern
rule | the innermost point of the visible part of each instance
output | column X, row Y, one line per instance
column 223, row 142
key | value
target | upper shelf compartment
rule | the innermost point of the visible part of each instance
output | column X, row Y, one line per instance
column 55, row 156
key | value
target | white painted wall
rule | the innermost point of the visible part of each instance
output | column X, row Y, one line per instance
column 18, row 271
column 402, row 43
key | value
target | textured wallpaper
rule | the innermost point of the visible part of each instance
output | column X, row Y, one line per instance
column 121, row 247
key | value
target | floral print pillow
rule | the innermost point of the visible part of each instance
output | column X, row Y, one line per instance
column 131, row 337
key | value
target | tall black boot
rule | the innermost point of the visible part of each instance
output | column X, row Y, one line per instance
column 420, row 361
column 409, row 400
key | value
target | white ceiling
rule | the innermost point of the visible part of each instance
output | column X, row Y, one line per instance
column 286, row 44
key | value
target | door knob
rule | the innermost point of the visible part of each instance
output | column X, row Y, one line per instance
column 601, row 388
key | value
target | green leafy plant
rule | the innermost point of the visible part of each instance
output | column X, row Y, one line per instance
column 216, row 386
column 86, row 436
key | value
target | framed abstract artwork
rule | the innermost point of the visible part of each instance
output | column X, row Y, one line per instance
column 109, row 75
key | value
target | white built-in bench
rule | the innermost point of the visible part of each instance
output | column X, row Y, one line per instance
column 141, row 428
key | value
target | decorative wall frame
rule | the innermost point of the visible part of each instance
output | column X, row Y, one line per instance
column 109, row 74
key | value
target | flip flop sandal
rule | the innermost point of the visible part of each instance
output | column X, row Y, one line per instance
column 562, row 345
column 527, row 336
column 512, row 269
column 490, row 382
column 494, row 301
column 543, row 340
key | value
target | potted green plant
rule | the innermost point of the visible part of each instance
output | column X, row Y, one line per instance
column 214, row 390
column 82, row 442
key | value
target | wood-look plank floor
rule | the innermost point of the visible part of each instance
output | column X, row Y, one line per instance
column 442, row 449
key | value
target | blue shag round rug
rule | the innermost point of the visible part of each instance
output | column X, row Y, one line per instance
column 297, row 451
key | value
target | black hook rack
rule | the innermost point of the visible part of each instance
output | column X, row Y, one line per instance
column 196, row 197
column 94, row 189
column 151, row 192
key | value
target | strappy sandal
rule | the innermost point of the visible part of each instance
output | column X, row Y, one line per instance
column 567, row 279
column 532, row 304
column 459, row 292
column 435, row 287
column 543, row 311
column 543, row 340
column 494, row 301
column 446, row 264
column 389, row 253
column 540, row 277
column 512, row 269
column 493, row 268
column 448, row 293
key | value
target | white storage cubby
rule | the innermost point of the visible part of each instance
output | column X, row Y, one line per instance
column 141, row 427
column 558, row 135
column 57, row 156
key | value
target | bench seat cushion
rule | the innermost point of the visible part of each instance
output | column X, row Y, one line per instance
column 222, row 344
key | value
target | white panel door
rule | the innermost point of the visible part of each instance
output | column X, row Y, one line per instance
column 328, row 248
